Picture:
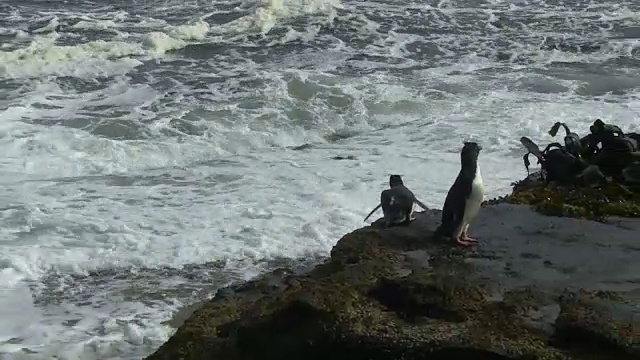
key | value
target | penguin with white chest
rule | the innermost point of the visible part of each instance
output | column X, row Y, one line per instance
column 397, row 202
column 464, row 198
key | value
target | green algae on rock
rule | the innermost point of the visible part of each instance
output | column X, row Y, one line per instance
column 594, row 203
column 396, row 293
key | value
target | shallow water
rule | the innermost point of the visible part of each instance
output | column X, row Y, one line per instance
column 154, row 151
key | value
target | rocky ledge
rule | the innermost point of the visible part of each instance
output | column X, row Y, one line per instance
column 536, row 287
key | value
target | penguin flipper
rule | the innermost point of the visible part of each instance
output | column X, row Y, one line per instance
column 447, row 225
column 445, row 228
column 372, row 211
column 453, row 209
column 423, row 206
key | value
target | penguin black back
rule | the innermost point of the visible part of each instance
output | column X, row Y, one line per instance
column 397, row 201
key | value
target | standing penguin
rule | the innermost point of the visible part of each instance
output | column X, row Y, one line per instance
column 397, row 202
column 464, row 198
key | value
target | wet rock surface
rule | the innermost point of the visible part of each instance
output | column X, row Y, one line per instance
column 536, row 287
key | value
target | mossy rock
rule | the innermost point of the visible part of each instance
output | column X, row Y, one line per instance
column 577, row 202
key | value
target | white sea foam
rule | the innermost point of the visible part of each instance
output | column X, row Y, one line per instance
column 77, row 201
column 45, row 56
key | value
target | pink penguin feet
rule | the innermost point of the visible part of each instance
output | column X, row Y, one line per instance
column 465, row 240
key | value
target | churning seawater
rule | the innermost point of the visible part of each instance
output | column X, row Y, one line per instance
column 152, row 151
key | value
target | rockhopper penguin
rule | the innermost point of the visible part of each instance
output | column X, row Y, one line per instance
column 464, row 198
column 397, row 202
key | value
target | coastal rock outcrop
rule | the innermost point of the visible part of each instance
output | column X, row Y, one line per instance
column 536, row 287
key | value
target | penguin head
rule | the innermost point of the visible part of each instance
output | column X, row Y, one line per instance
column 395, row 180
column 598, row 126
column 470, row 152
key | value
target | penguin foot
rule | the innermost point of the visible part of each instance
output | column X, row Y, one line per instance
column 464, row 242
column 469, row 239
column 466, row 237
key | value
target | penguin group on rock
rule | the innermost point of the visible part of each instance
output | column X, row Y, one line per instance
column 460, row 206
column 606, row 154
